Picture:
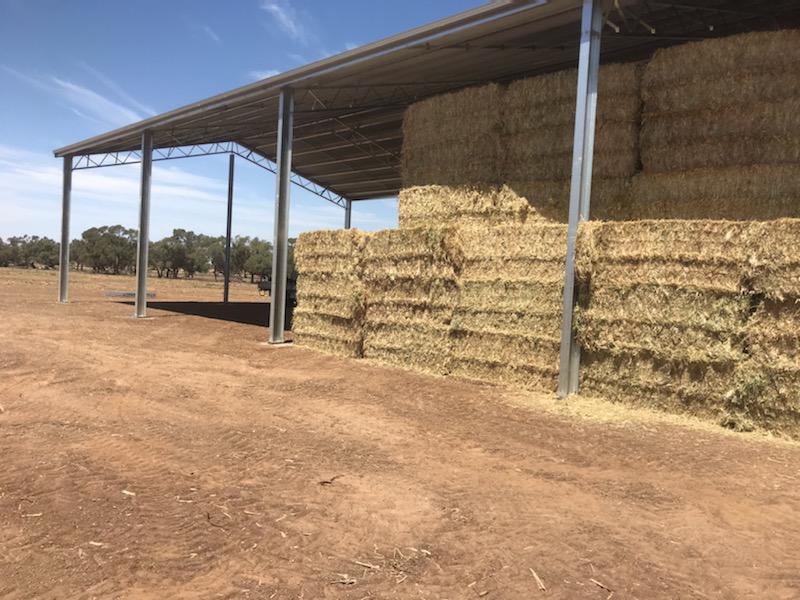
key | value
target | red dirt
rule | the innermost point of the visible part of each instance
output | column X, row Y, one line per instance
column 180, row 456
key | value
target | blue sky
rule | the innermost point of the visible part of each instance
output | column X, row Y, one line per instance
column 70, row 70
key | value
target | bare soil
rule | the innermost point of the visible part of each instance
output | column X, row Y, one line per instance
column 181, row 456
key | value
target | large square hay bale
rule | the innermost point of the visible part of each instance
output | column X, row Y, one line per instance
column 330, row 292
column 454, row 139
column 460, row 206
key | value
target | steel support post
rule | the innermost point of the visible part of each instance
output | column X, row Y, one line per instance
column 348, row 213
column 63, row 260
column 144, row 224
column 277, row 309
column 228, row 231
column 581, row 186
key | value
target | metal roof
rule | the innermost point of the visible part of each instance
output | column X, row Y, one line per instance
column 349, row 108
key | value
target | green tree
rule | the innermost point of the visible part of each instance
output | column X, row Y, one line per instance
column 216, row 254
column 110, row 249
column 240, row 252
column 6, row 254
column 259, row 264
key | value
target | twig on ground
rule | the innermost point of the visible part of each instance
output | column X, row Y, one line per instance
column 331, row 480
column 345, row 580
column 538, row 581
column 600, row 585
column 367, row 565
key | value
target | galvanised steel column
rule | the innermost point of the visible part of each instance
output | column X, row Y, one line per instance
column 144, row 225
column 277, row 308
column 348, row 213
column 63, row 260
column 228, row 231
column 581, row 187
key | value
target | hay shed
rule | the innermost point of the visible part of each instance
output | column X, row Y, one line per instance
column 352, row 128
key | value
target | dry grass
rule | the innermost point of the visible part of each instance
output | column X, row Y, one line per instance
column 758, row 52
column 722, row 90
column 745, row 151
column 773, row 260
column 641, row 379
column 702, row 254
column 462, row 206
column 761, row 192
column 454, row 139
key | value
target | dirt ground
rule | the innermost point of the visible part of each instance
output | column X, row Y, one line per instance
column 181, row 456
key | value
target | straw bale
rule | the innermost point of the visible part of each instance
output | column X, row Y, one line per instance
column 519, row 376
column 641, row 379
column 523, row 360
column 749, row 52
column 669, row 340
column 765, row 397
column 454, row 139
column 470, row 161
column 773, row 334
column 745, row 150
column 546, row 153
column 329, row 252
column 664, row 303
column 463, row 206
column 761, row 192
column 514, row 252
column 348, row 305
column 721, row 90
column 763, row 119
column 342, row 337
column 417, row 346
column 549, row 100
column 420, row 253
column 519, row 307
column 465, row 114
column 549, row 200
column 774, row 262
column 703, row 254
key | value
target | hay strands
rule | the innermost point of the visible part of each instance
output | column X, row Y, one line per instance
column 602, row 586
column 538, row 580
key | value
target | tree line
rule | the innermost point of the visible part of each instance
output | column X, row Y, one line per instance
column 112, row 249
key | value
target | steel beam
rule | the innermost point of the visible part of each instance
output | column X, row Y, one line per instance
column 277, row 305
column 228, row 232
column 144, row 224
column 348, row 213
column 63, row 261
column 581, row 186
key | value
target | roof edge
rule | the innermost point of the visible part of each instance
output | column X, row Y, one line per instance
column 483, row 13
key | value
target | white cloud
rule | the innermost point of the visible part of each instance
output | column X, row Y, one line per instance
column 259, row 75
column 122, row 94
column 210, row 33
column 85, row 102
column 93, row 104
column 351, row 46
column 287, row 19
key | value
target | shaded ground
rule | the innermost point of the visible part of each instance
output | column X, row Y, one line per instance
column 182, row 456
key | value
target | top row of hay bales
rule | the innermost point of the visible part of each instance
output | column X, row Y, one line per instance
column 709, row 129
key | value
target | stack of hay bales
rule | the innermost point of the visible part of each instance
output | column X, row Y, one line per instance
column 454, row 139
column 539, row 120
column 663, row 322
column 507, row 321
column 411, row 290
column 721, row 129
column 330, row 292
column 769, row 383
